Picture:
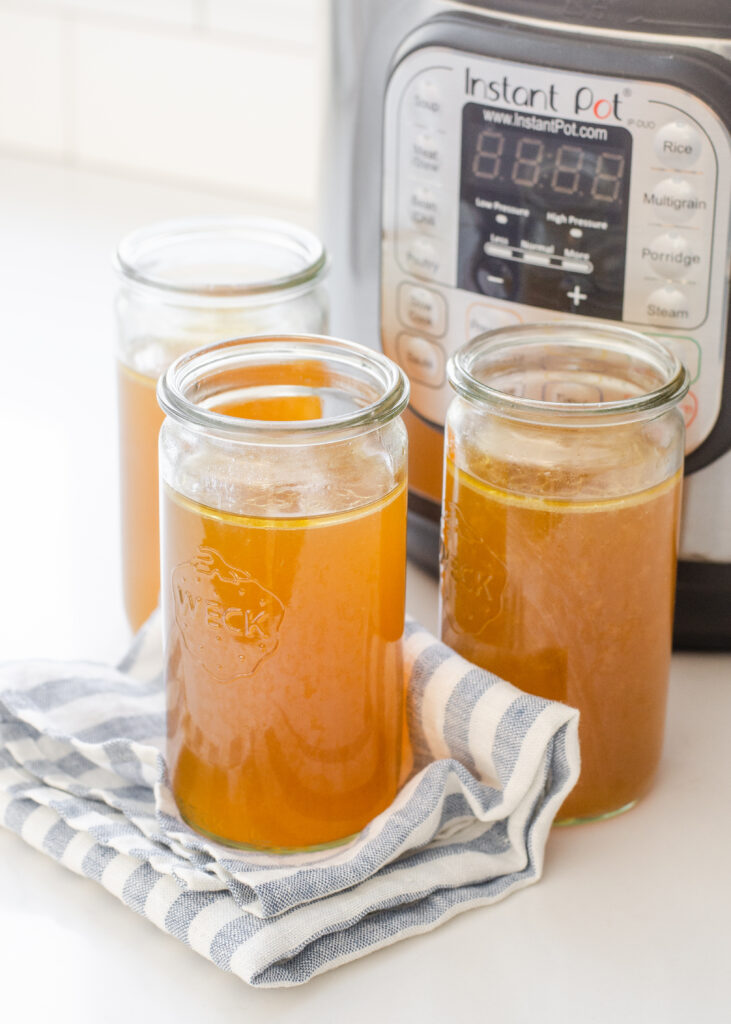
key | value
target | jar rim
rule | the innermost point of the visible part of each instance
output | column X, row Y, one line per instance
column 187, row 373
column 620, row 341
column 139, row 254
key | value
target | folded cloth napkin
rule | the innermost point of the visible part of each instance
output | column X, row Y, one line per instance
column 83, row 778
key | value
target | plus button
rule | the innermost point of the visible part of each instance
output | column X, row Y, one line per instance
column 576, row 295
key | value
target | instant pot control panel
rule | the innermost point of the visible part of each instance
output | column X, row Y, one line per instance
column 514, row 193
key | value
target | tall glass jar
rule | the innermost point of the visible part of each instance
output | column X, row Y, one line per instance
column 283, row 529
column 185, row 284
column 563, row 467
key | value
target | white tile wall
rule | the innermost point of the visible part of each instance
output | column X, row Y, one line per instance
column 32, row 115
column 198, row 109
column 168, row 12
column 222, row 94
column 294, row 21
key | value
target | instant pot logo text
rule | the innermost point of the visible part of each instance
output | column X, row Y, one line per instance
column 583, row 101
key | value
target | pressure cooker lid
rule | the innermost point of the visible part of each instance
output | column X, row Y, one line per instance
column 666, row 17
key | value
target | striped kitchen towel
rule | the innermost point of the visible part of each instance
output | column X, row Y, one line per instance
column 83, row 778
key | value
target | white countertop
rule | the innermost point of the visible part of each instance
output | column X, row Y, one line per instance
column 632, row 920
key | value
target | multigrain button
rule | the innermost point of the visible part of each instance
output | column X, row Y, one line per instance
column 422, row 308
column 677, row 144
column 668, row 306
column 423, row 360
column 674, row 200
column 670, row 256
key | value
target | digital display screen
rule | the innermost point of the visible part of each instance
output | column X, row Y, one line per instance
column 543, row 210
column 555, row 171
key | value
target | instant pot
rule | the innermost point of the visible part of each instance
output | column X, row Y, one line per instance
column 516, row 161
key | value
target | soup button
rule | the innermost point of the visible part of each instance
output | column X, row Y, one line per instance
column 424, row 361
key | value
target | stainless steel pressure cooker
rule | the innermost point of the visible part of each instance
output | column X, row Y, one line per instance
column 523, row 160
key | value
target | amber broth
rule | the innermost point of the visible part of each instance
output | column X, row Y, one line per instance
column 573, row 601
column 285, row 679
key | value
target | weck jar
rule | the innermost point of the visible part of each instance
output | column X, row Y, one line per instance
column 283, row 536
column 185, row 284
column 563, row 468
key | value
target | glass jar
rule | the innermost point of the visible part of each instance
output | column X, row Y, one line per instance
column 283, row 534
column 185, row 284
column 563, row 469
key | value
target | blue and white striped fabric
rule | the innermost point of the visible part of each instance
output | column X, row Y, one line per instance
column 83, row 778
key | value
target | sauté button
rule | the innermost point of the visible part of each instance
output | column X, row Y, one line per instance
column 674, row 200
column 670, row 256
column 422, row 308
column 678, row 144
column 423, row 360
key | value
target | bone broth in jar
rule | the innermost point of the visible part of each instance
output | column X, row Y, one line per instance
column 185, row 284
column 563, row 467
column 283, row 527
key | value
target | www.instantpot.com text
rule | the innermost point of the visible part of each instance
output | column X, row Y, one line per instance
column 551, row 125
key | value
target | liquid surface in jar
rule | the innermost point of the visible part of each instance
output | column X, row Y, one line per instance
column 285, row 678
column 572, row 601
column 140, row 419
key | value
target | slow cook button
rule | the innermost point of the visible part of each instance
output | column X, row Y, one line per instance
column 423, row 360
column 674, row 200
column 668, row 306
column 677, row 144
column 422, row 308
column 670, row 255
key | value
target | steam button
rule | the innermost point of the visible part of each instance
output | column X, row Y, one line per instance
column 668, row 306
column 677, row 144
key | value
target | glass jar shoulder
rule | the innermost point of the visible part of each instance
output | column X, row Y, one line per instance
column 283, row 480
column 558, row 462
column 153, row 330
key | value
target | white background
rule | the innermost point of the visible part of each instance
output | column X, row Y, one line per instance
column 631, row 921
